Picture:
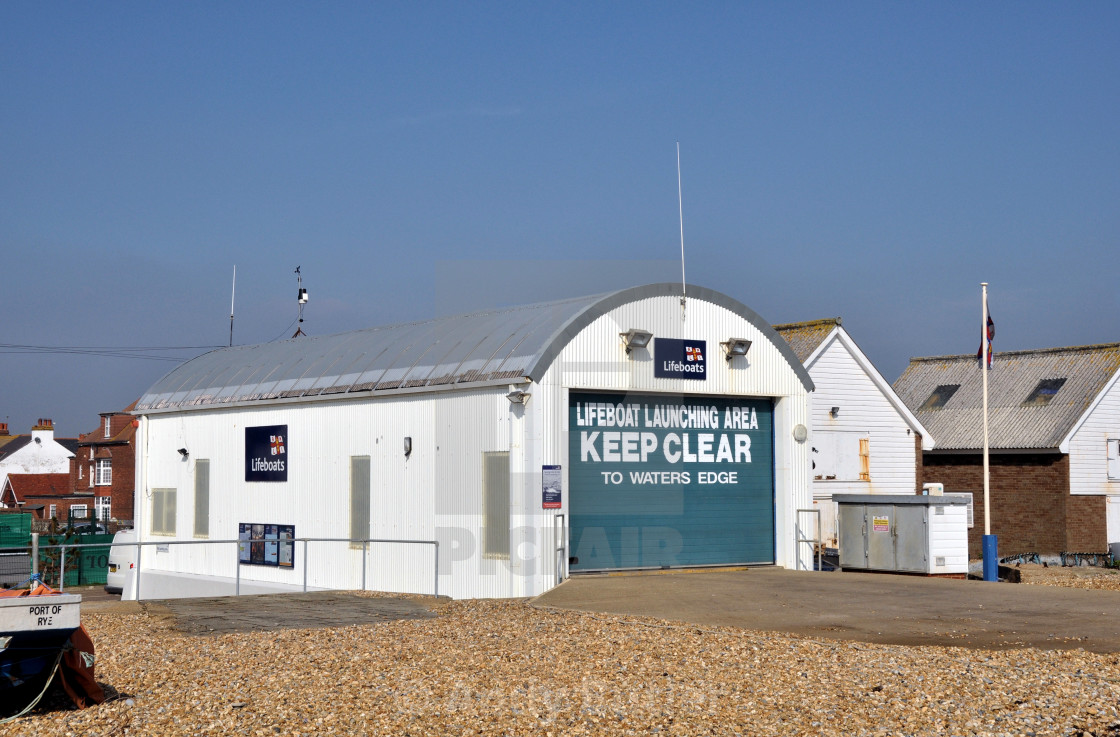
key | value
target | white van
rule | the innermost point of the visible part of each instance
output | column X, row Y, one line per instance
column 122, row 560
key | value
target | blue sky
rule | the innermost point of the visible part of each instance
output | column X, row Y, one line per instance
column 875, row 161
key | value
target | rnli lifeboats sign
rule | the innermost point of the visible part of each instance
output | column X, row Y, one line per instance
column 680, row 359
column 266, row 453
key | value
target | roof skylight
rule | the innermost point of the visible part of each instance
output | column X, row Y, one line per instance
column 940, row 396
column 1044, row 392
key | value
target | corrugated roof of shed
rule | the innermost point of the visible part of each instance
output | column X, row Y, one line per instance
column 958, row 425
column 463, row 350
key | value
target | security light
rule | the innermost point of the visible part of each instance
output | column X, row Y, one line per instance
column 634, row 338
column 735, row 347
column 183, row 452
column 518, row 397
column 407, row 446
column 835, row 412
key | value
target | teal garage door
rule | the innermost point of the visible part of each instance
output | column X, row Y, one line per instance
column 662, row 480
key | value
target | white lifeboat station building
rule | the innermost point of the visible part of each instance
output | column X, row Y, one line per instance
column 495, row 453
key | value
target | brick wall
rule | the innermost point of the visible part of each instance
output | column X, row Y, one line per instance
column 1032, row 509
column 123, row 461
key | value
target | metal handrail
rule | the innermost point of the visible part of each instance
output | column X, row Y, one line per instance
column 560, row 529
column 817, row 540
column 237, row 541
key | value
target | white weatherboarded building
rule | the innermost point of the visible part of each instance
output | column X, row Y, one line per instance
column 625, row 430
column 864, row 438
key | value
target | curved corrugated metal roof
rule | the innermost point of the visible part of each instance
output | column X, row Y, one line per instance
column 498, row 345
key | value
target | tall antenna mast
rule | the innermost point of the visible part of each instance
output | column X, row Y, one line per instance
column 232, row 295
column 302, row 299
column 680, row 205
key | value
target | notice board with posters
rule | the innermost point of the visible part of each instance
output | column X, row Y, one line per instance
column 266, row 544
column 266, row 453
column 660, row 480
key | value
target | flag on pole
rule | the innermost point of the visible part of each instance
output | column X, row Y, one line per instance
column 980, row 351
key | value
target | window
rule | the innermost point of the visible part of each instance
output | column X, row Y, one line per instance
column 971, row 520
column 54, row 511
column 78, row 513
column 940, row 396
column 108, row 425
column 1113, row 459
column 163, row 511
column 359, row 498
column 495, row 505
column 1044, row 392
column 841, row 456
column 202, row 498
column 104, row 472
column 80, row 469
column 103, row 507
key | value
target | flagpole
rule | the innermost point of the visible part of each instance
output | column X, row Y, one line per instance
column 988, row 544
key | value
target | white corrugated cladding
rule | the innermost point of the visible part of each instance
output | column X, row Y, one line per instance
column 1088, row 447
column 595, row 359
column 437, row 492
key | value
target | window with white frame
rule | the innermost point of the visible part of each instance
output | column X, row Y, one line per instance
column 104, row 472
column 78, row 513
column 103, row 506
column 163, row 511
column 53, row 512
column 108, row 425
column 1114, row 459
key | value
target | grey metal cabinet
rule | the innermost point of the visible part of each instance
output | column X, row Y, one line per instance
column 893, row 533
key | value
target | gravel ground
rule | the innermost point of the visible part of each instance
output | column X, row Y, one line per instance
column 1082, row 577
column 503, row 667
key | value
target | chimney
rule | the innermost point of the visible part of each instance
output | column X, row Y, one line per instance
column 44, row 424
column 3, row 428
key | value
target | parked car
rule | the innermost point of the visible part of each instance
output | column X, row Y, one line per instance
column 90, row 529
column 122, row 560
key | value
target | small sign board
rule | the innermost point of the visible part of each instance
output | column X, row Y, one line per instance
column 33, row 613
column 551, row 493
column 264, row 545
column 680, row 359
column 266, row 453
column 881, row 524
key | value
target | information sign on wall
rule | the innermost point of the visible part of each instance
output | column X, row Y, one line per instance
column 669, row 480
column 266, row 453
column 551, row 495
column 263, row 544
column 680, row 359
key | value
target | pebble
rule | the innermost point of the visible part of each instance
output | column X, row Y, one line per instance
column 503, row 667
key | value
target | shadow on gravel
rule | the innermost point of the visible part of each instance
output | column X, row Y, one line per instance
column 261, row 613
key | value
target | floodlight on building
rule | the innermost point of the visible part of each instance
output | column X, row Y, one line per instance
column 634, row 338
column 735, row 347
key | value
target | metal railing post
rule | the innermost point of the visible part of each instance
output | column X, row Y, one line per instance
column 35, row 553
column 305, row 541
column 237, row 563
column 365, row 552
column 139, row 549
column 62, row 569
column 435, row 589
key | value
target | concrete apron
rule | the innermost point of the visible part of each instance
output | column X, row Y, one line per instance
column 864, row 607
